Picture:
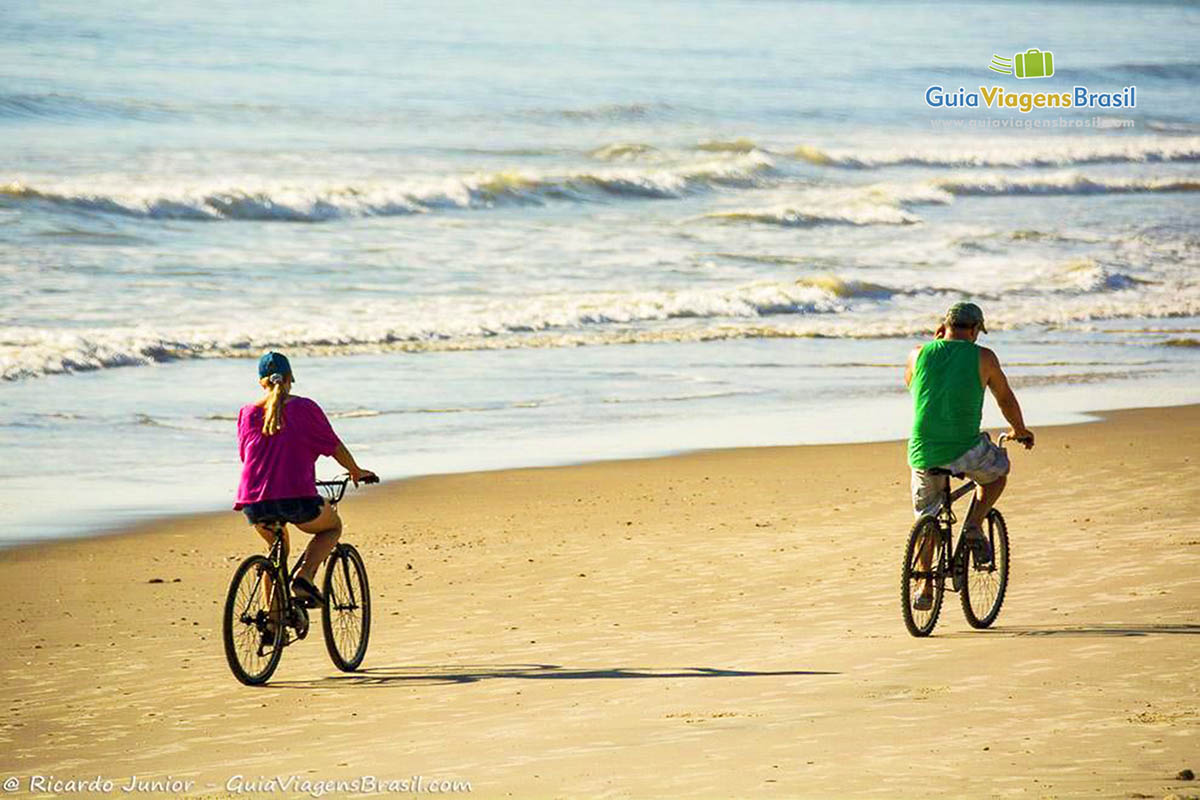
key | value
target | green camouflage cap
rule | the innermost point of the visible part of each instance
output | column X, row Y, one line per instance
column 964, row 315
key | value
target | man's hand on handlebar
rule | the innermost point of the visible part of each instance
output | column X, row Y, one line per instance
column 1024, row 436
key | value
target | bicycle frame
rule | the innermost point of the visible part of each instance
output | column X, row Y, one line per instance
column 278, row 558
column 952, row 555
column 333, row 491
column 951, row 551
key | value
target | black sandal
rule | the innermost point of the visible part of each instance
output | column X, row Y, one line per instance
column 304, row 589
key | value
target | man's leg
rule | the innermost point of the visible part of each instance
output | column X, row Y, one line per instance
column 925, row 489
column 925, row 562
column 985, row 497
column 326, row 529
column 988, row 465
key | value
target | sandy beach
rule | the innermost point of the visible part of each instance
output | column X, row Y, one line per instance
column 717, row 624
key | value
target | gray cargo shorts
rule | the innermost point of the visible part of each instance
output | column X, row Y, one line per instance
column 984, row 463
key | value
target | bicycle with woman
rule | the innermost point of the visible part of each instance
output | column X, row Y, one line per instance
column 280, row 438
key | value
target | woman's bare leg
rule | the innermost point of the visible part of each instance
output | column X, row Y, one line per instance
column 268, row 534
column 326, row 529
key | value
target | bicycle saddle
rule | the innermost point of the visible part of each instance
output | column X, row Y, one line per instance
column 940, row 471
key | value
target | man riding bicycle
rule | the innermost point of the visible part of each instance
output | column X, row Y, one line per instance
column 946, row 378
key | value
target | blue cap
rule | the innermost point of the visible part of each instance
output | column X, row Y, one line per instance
column 273, row 363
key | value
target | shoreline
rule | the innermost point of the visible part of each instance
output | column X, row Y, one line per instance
column 175, row 457
column 120, row 529
column 125, row 529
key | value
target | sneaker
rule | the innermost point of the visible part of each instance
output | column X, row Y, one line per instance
column 923, row 602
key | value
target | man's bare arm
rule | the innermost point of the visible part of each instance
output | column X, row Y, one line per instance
column 910, row 364
column 997, row 382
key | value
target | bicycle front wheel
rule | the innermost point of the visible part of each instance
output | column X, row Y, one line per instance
column 985, row 584
column 253, row 634
column 346, row 620
column 922, row 579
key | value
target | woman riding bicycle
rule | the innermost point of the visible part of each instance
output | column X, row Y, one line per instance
column 279, row 439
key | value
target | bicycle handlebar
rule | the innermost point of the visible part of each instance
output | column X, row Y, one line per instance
column 335, row 489
column 1004, row 437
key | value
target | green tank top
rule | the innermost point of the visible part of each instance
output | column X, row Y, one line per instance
column 947, row 402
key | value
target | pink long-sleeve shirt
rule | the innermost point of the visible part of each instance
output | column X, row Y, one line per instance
column 284, row 465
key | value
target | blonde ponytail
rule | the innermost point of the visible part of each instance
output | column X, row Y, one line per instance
column 277, row 391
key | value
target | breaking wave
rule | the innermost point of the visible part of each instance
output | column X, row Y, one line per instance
column 1089, row 276
column 892, row 203
column 1059, row 184
column 807, row 218
column 623, row 151
column 1147, row 149
column 281, row 202
column 548, row 321
column 815, row 306
column 876, row 204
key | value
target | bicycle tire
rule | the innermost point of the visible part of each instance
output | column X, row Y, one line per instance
column 242, row 626
column 921, row 623
column 346, row 617
column 988, row 585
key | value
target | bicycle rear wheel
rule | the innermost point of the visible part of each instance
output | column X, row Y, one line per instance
column 916, row 581
column 346, row 620
column 984, row 587
column 253, row 641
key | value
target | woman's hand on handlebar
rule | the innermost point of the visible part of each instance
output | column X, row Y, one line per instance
column 358, row 475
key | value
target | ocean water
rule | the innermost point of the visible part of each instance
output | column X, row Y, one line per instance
column 554, row 232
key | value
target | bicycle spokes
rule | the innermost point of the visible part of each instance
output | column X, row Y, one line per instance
column 343, row 607
column 984, row 584
column 347, row 615
column 252, row 627
column 922, row 577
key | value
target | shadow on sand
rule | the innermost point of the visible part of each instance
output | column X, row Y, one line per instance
column 1085, row 630
column 433, row 675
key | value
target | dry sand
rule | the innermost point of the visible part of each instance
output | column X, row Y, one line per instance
column 721, row 624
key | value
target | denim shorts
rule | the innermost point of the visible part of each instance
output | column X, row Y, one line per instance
column 296, row 510
column 984, row 463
